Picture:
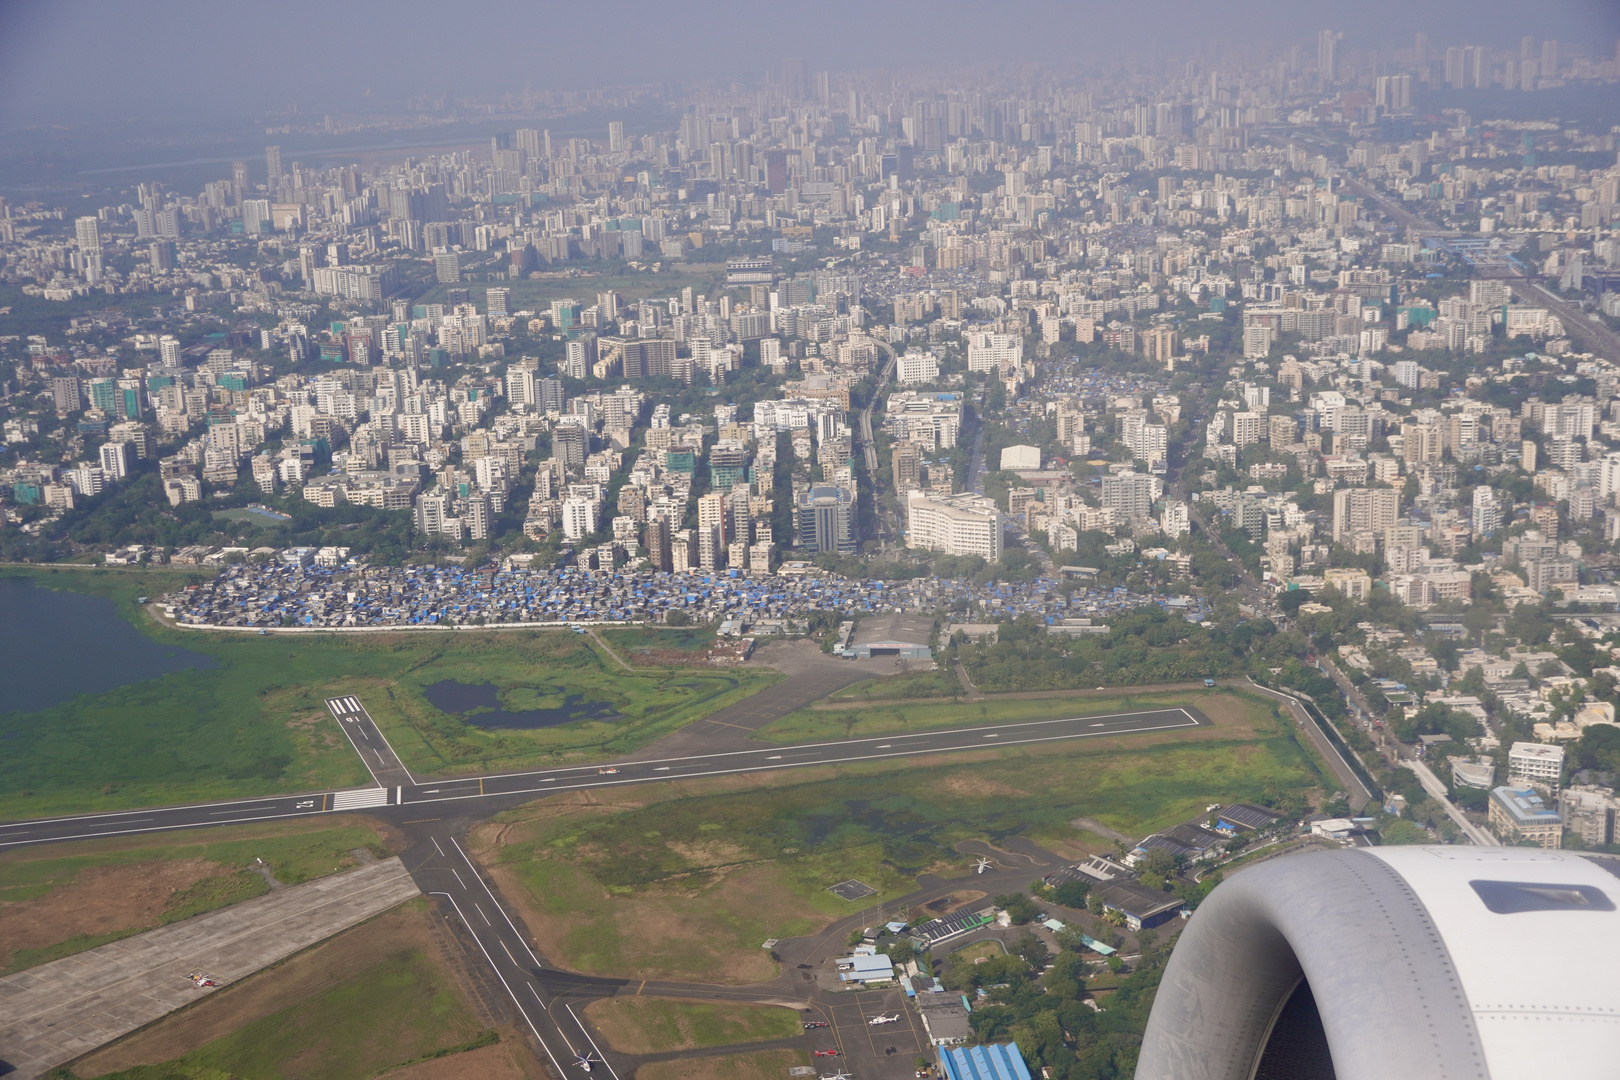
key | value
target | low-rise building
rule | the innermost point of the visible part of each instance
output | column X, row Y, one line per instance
column 1520, row 814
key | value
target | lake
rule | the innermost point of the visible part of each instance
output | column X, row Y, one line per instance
column 58, row 645
column 459, row 699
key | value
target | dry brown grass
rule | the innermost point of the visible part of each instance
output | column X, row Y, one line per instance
column 759, row 1065
column 308, row 973
column 508, row 1059
column 99, row 900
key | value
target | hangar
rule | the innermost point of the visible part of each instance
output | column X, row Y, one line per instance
column 905, row 636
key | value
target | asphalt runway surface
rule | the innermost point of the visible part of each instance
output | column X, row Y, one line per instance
column 435, row 813
column 451, row 796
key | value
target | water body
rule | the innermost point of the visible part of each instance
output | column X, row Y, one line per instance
column 58, row 645
column 460, row 699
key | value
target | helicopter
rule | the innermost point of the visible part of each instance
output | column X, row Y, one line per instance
column 982, row 865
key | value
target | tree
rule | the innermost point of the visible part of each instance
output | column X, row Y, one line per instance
column 1072, row 894
column 1599, row 748
column 1019, row 908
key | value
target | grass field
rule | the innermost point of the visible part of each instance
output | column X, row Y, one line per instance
column 645, row 1025
column 60, row 899
column 257, row 723
column 838, row 719
column 684, row 880
column 377, row 996
column 759, row 1065
column 632, row 639
column 941, row 683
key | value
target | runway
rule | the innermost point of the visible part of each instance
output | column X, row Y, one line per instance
column 425, row 798
column 435, row 813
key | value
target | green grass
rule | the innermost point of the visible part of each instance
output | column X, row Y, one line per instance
column 881, row 823
column 213, row 893
column 810, row 723
column 78, row 943
column 643, row 1025
column 920, row 684
column 257, row 724
column 629, row 639
column 397, row 1011
column 294, row 851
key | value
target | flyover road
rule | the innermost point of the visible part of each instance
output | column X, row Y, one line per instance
column 450, row 794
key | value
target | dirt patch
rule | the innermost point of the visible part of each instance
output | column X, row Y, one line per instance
column 969, row 786
column 99, row 900
column 1092, row 825
column 310, row 972
column 712, row 853
column 708, row 928
column 506, row 1060
column 759, row 1065
column 954, row 902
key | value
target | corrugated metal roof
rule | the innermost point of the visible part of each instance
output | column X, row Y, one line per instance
column 998, row 1061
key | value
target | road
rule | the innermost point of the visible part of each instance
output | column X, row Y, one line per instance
column 1595, row 335
column 863, row 431
column 1437, row 791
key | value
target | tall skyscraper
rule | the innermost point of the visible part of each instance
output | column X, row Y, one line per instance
column 616, row 136
column 793, row 80
column 1549, row 59
column 1327, row 58
column 272, row 161
column 239, row 181
column 88, row 232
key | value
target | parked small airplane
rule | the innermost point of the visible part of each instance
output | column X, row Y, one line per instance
column 201, row 980
column 879, row 1021
column 824, row 1053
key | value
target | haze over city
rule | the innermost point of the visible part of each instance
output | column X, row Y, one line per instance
column 844, row 542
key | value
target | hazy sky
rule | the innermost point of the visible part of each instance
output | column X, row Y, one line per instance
column 112, row 59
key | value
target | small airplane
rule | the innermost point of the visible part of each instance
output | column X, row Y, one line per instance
column 982, row 865
column 606, row 772
column 839, row 1075
column 879, row 1021
column 824, row 1053
column 809, row 1024
column 584, row 1061
column 202, row 981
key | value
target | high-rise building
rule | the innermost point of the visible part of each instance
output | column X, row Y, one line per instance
column 1487, row 511
column 568, row 442
column 793, row 79
column 1327, row 52
column 1364, row 510
column 616, row 136
column 1175, row 521
column 88, row 232
column 907, row 468
column 1131, row 495
column 496, row 299
column 656, row 539
column 272, row 161
column 964, row 524
column 825, row 517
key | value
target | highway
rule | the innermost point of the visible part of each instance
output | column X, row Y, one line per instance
column 449, row 795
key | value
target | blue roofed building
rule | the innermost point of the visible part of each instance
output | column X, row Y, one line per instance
column 998, row 1061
